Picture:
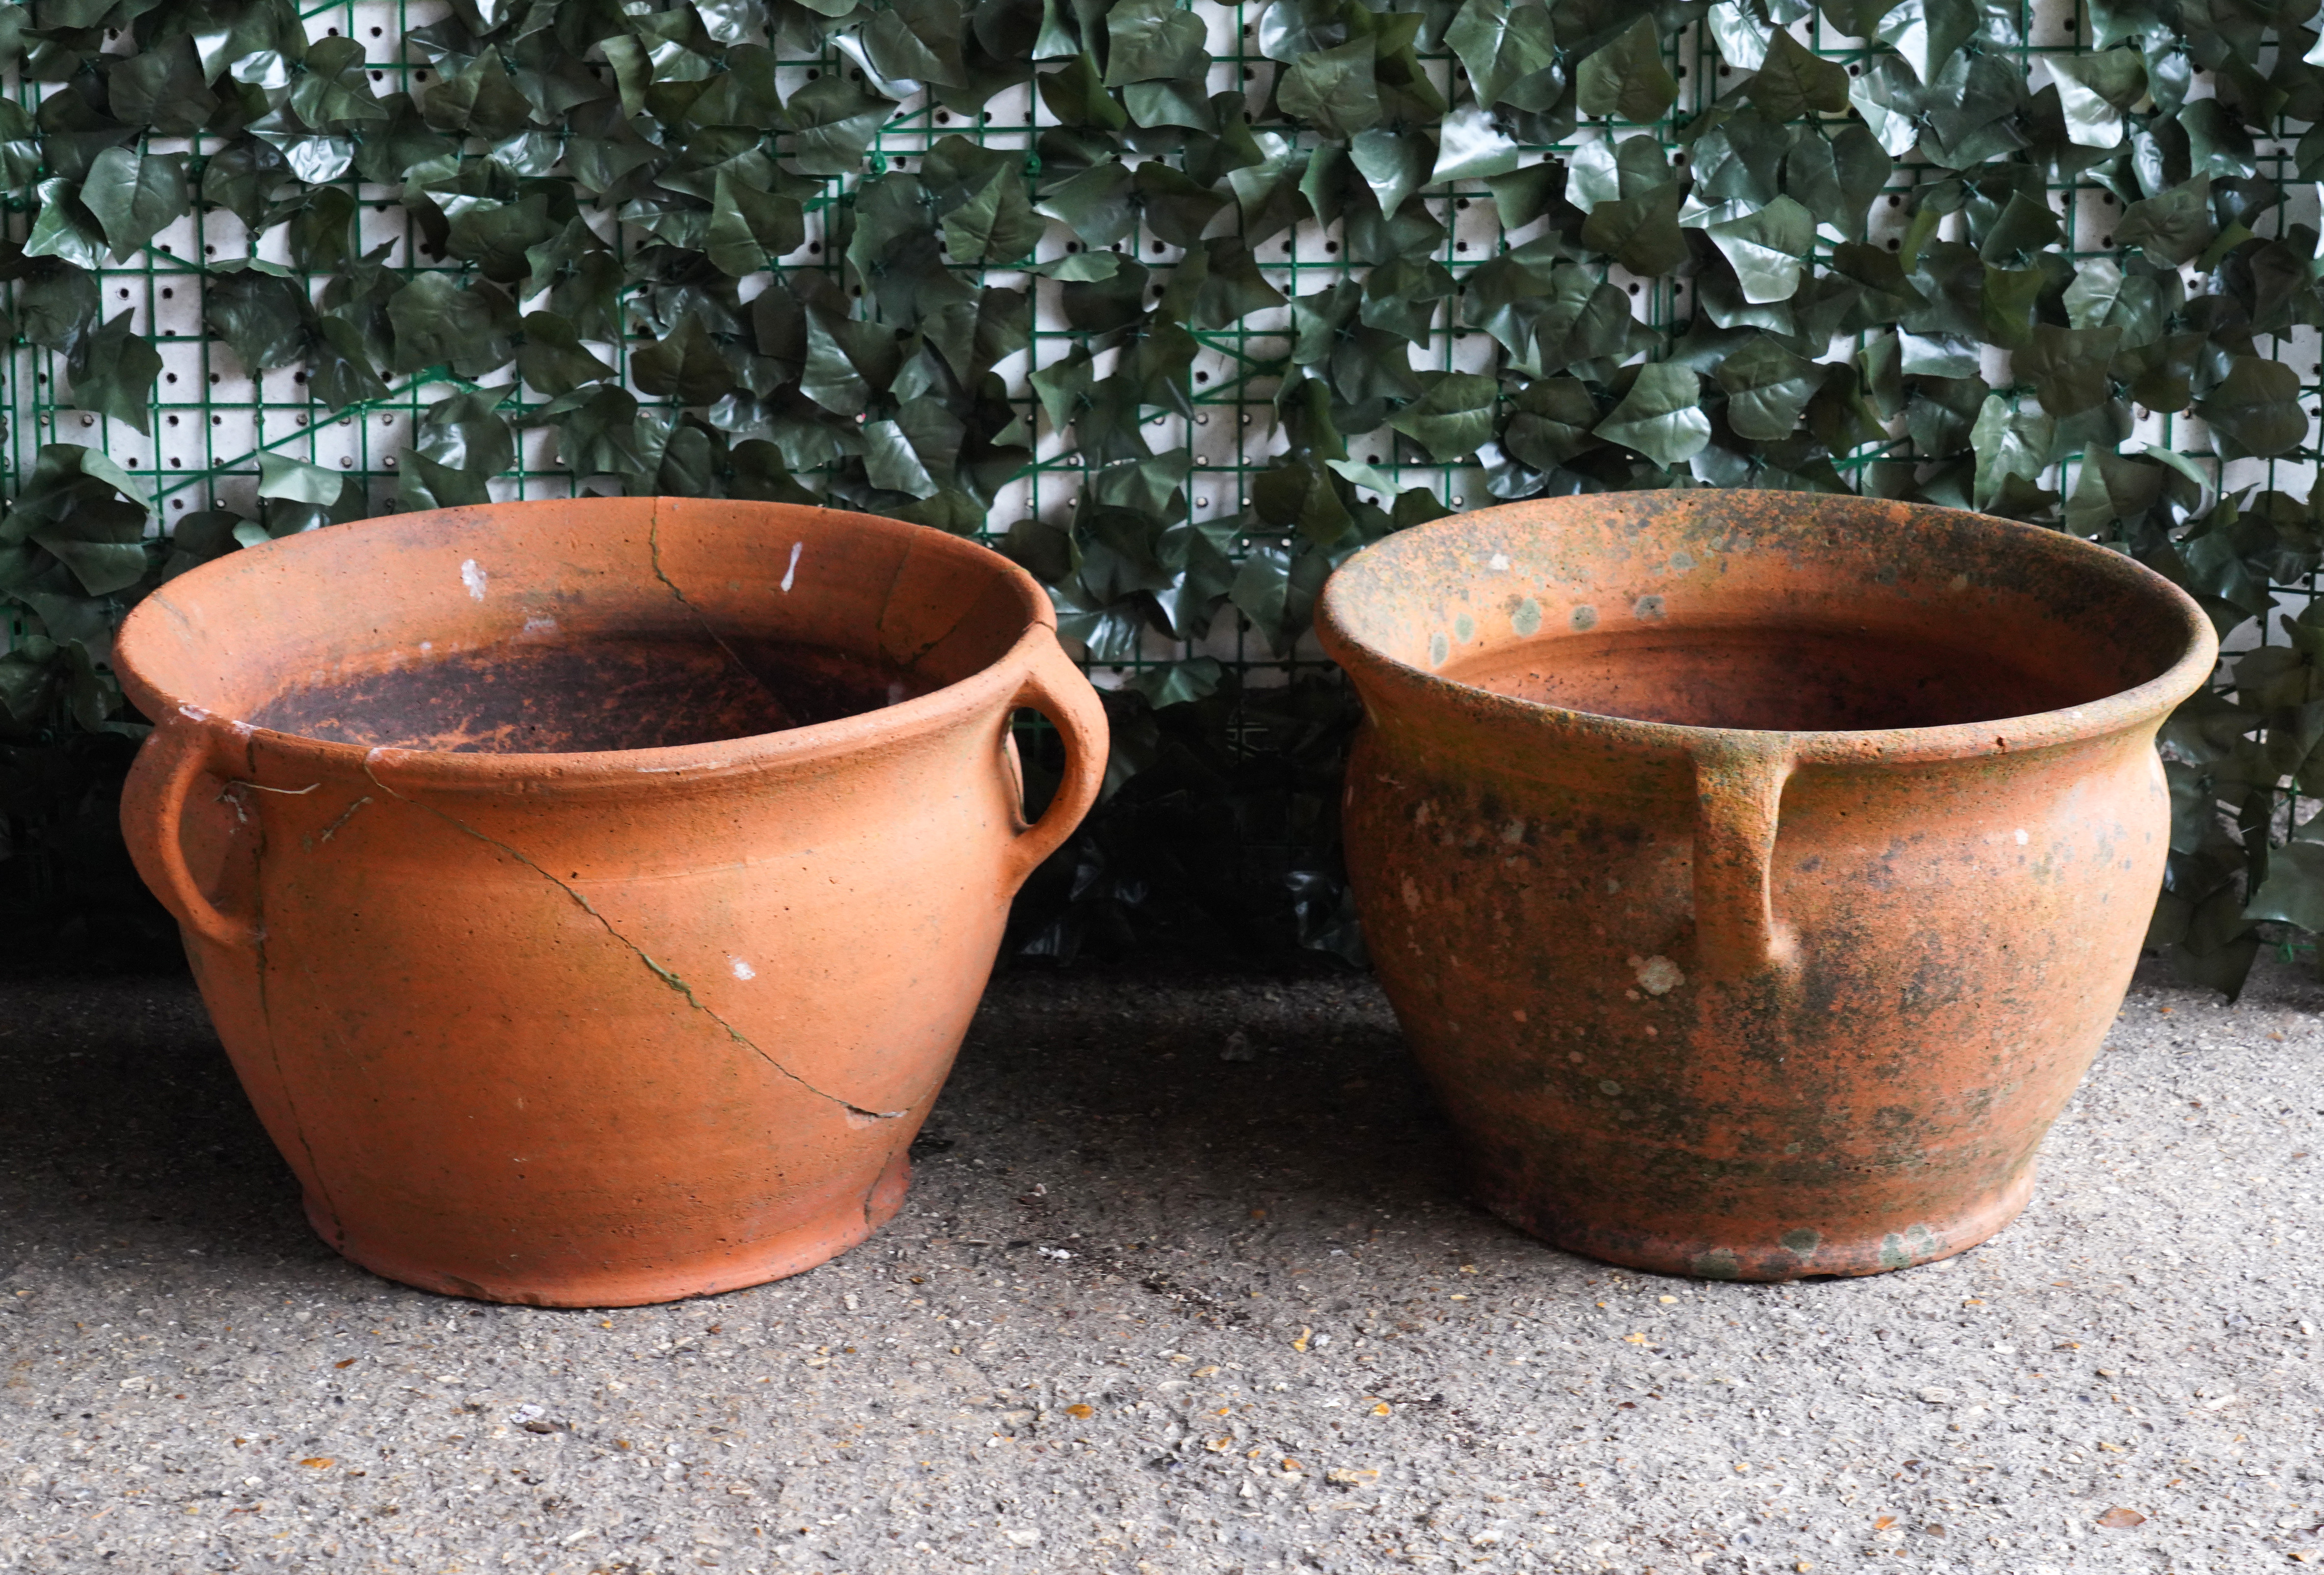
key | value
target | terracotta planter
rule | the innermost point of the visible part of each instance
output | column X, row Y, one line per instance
column 592, row 896
column 1755, row 873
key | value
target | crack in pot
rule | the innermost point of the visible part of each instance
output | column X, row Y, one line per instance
column 659, row 972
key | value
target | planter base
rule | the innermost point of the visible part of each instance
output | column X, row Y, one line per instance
column 1801, row 1252
column 776, row 1257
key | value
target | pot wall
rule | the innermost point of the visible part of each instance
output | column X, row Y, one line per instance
column 1880, row 1105
column 593, row 1029
column 1730, row 1001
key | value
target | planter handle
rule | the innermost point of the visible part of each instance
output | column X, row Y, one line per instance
column 1057, row 688
column 1738, row 787
column 153, row 805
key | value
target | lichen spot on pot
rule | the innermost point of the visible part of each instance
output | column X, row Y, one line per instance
column 1647, row 608
column 1717, row 1265
column 1803, row 1241
column 1527, row 620
column 1584, row 617
column 1439, row 647
column 1465, row 629
column 1657, row 975
column 1915, row 1243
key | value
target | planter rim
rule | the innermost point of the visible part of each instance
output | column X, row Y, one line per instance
column 607, row 769
column 2096, row 719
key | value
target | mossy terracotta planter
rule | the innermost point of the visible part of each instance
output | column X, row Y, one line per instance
column 1754, row 873
column 592, row 896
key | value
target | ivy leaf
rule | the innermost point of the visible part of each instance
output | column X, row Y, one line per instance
column 1101, row 306
column 1276, row 588
column 1552, row 423
column 1928, row 33
column 437, row 322
column 893, row 464
column 240, row 177
column 1736, row 153
column 497, row 236
column 338, row 364
column 1297, row 494
column 466, row 432
column 2007, row 301
column 56, row 303
column 1768, row 387
column 1595, row 171
column 997, row 225
column 1231, row 285
column 113, row 373
column 1452, row 416
column 296, row 481
column 1062, row 386
column 1075, row 94
column 161, row 88
column 1505, row 45
column 1837, row 176
column 2066, row 367
column 261, row 314
column 1394, row 161
column 1766, row 249
column 1739, row 33
column 1640, row 233
column 1661, row 416
column 552, row 358
column 1970, row 110
column 133, row 195
column 2025, row 226
column 749, row 228
column 2093, row 91
column 2294, row 891
column 479, row 101
column 1334, row 90
column 1095, row 204
column 1796, row 81
column 1627, row 78
column 685, row 366
column 2254, row 412
column 1151, row 39
column 430, row 484
column 91, row 514
column 833, row 122
column 65, row 229
column 2008, row 442
column 1177, row 209
column 2171, row 226
column 598, row 432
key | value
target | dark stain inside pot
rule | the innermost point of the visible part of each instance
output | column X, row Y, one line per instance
column 1777, row 679
column 603, row 693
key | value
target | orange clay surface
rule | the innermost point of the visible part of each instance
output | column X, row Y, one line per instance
column 591, row 895
column 1753, row 873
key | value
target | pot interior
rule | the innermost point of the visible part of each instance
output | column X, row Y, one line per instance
column 585, row 626
column 1773, row 612
column 609, row 692
column 1783, row 678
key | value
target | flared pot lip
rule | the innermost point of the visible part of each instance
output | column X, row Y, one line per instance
column 2144, row 704
column 619, row 769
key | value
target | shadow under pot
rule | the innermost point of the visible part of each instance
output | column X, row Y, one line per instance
column 592, row 894
column 1755, row 874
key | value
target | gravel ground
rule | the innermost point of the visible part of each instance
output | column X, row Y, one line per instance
column 1165, row 1298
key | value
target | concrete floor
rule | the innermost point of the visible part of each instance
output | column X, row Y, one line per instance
column 1163, row 1299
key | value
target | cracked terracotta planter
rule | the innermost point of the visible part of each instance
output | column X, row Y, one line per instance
column 592, row 896
column 1754, row 873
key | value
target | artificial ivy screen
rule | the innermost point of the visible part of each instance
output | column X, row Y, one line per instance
column 1180, row 305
